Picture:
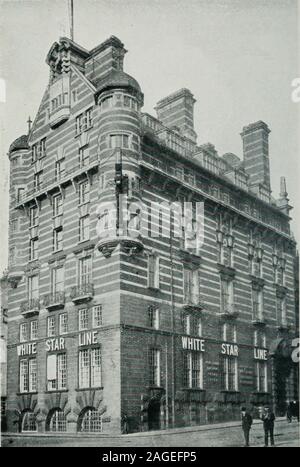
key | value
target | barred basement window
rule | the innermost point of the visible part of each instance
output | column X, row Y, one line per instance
column 90, row 368
column 57, row 372
column 193, row 370
column 29, row 422
column 91, row 421
column 154, row 367
column 58, row 421
column 97, row 316
column 261, row 376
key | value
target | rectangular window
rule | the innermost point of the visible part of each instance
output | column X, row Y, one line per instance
column 83, row 319
column 23, row 332
column 187, row 324
column 57, row 205
column 57, row 371
column 230, row 373
column 33, row 330
column 79, row 124
column 257, row 304
column 84, row 228
column 191, row 286
column 229, row 332
column 119, row 141
column 154, row 365
column 42, row 147
column 84, row 192
column 57, row 280
column 28, row 375
column 63, row 323
column 20, row 194
column 90, row 368
column 58, row 239
column 83, row 156
column 33, row 216
column 89, row 118
column 33, row 287
column 260, row 338
column 193, row 370
column 227, row 298
column 33, row 249
column 154, row 317
column 38, row 180
column 51, row 326
column 153, row 272
column 261, row 376
column 97, row 316
column 60, row 169
column 85, row 270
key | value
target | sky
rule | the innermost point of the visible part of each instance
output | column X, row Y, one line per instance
column 238, row 57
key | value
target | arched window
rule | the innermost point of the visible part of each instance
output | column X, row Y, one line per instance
column 29, row 421
column 90, row 421
column 56, row 421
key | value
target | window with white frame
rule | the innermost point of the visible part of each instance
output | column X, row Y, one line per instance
column 154, row 367
column 84, row 121
column 33, row 216
column 57, row 280
column 33, row 249
column 58, row 239
column 38, row 180
column 83, row 319
column 119, row 140
column 23, row 332
column 227, row 296
column 85, row 270
column 191, row 286
column 261, row 369
column 260, row 338
column 192, row 370
column 33, row 287
column 84, row 228
column 57, row 204
column 33, row 329
column 153, row 271
column 229, row 332
column 229, row 373
column 153, row 316
column 29, row 423
column 84, row 192
column 84, row 156
column 60, row 169
column 90, row 368
column 97, row 316
column 58, row 421
column 56, row 371
column 28, row 375
column 51, row 326
column 257, row 304
column 63, row 323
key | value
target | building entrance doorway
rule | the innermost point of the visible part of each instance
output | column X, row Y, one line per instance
column 154, row 415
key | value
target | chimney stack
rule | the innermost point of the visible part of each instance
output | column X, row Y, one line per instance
column 256, row 153
column 177, row 110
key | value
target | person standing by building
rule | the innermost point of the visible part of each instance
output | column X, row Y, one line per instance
column 268, row 419
column 289, row 411
column 246, row 425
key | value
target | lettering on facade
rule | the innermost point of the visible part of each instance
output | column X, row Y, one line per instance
column 55, row 344
column 26, row 349
column 230, row 349
column 87, row 338
column 191, row 343
column 260, row 354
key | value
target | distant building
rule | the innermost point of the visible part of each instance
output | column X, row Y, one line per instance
column 3, row 349
column 106, row 322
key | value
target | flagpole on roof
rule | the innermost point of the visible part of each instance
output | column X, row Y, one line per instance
column 71, row 12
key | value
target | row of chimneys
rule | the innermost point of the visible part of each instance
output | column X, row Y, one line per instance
column 177, row 111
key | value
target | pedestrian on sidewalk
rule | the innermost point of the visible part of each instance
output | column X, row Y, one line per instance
column 246, row 425
column 268, row 419
column 289, row 411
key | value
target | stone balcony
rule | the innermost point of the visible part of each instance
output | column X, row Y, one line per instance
column 54, row 301
column 82, row 293
column 228, row 311
column 193, row 302
column 30, row 307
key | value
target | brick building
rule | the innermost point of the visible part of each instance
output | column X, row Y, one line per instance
column 106, row 322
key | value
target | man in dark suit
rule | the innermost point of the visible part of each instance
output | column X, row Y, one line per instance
column 246, row 425
column 268, row 419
